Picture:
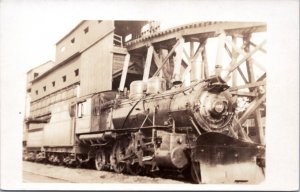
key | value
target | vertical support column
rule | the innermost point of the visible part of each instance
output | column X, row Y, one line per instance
column 161, row 57
column 219, row 59
column 148, row 63
column 177, row 63
column 124, row 72
column 204, row 73
column 250, row 72
column 167, row 75
column 196, row 68
column 191, row 49
column 234, row 56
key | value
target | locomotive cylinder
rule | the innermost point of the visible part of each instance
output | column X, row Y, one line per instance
column 171, row 152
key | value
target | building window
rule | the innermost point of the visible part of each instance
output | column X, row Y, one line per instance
column 44, row 88
column 76, row 72
column 53, row 83
column 36, row 92
column 73, row 40
column 35, row 75
column 99, row 21
column 64, row 78
column 29, row 90
column 86, row 30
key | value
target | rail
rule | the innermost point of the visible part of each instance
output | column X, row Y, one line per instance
column 118, row 40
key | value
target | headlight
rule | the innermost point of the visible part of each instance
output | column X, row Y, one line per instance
column 219, row 106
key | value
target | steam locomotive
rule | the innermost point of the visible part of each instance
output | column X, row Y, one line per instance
column 161, row 124
column 184, row 129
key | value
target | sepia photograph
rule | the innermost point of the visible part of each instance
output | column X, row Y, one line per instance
column 128, row 97
column 134, row 100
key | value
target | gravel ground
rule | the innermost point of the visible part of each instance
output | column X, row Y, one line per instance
column 44, row 173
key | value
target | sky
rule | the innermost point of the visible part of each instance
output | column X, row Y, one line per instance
column 29, row 30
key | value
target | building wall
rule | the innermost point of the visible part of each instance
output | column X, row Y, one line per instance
column 43, row 106
column 39, row 70
column 96, row 67
column 67, row 70
column 92, row 63
column 82, row 38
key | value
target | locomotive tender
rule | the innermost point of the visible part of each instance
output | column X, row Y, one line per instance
column 166, row 121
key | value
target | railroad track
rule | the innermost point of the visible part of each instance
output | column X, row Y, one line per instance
column 45, row 173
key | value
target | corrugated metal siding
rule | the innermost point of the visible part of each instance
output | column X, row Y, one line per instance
column 96, row 67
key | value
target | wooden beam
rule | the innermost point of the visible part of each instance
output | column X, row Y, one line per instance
column 124, row 72
column 186, row 71
column 250, row 85
column 228, row 51
column 191, row 49
column 259, row 125
column 204, row 29
column 242, row 75
column 232, row 68
column 199, row 50
column 261, row 49
column 158, row 62
column 254, row 105
column 220, row 49
column 204, row 64
column 262, row 77
column 167, row 57
column 187, row 57
column 234, row 57
column 243, row 94
column 160, row 57
column 148, row 63
column 240, row 51
column 257, row 115
column 178, row 59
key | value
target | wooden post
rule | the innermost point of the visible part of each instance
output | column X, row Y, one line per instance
column 124, row 72
column 257, row 114
column 178, row 59
column 248, row 55
column 186, row 75
column 219, row 59
column 191, row 49
column 167, row 57
column 197, row 69
column 234, row 56
column 161, row 57
column 249, row 60
column 148, row 63
column 204, row 64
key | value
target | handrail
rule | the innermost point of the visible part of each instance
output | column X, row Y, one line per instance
column 119, row 40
